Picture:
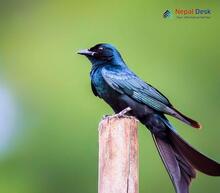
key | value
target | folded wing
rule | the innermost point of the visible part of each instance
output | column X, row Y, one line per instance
column 126, row 82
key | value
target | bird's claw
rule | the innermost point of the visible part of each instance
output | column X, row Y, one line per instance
column 105, row 116
column 118, row 115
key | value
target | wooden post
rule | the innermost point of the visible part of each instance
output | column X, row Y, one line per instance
column 118, row 155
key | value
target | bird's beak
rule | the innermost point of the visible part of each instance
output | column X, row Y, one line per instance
column 86, row 52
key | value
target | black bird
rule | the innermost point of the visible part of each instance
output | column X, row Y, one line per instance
column 118, row 86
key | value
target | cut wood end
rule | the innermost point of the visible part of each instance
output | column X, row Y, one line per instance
column 124, row 117
column 115, row 119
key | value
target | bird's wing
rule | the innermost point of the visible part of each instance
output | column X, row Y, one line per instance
column 126, row 82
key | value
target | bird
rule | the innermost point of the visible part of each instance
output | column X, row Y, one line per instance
column 119, row 87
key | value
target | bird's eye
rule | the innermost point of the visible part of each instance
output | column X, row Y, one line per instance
column 101, row 48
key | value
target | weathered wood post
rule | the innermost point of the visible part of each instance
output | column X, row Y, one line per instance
column 118, row 155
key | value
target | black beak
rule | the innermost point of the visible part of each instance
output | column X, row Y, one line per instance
column 86, row 52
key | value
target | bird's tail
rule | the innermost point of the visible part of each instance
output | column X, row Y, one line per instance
column 181, row 160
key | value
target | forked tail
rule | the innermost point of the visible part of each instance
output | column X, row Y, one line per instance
column 181, row 160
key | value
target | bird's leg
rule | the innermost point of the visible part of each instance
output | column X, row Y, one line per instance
column 120, row 114
column 123, row 112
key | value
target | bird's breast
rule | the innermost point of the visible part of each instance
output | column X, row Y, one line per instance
column 102, row 88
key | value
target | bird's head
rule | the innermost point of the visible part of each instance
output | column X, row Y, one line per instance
column 102, row 54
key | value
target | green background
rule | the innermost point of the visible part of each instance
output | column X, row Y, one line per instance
column 55, row 147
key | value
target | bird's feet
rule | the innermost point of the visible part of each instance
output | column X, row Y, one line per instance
column 118, row 115
column 105, row 116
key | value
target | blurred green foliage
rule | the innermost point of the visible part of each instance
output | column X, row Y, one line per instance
column 56, row 150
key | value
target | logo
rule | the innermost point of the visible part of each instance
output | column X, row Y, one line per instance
column 188, row 13
column 167, row 14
